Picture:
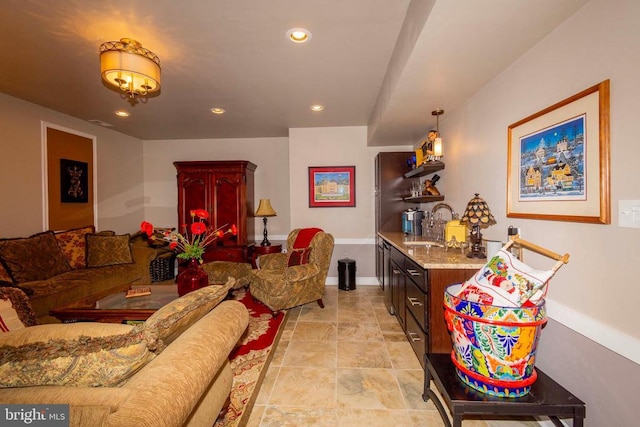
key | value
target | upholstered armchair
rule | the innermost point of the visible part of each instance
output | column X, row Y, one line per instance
column 286, row 280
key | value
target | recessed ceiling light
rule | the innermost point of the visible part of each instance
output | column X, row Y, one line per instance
column 218, row 110
column 122, row 113
column 299, row 35
column 317, row 107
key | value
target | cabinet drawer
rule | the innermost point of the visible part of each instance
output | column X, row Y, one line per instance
column 416, row 302
column 417, row 338
column 419, row 275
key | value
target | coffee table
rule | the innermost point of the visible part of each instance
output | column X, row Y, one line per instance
column 113, row 307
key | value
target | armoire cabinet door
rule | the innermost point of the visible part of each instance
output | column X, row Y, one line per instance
column 227, row 206
column 193, row 193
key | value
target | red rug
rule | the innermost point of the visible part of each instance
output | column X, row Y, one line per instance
column 249, row 361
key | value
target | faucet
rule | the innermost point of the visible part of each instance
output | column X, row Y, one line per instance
column 439, row 206
column 437, row 225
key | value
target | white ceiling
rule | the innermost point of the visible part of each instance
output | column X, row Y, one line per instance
column 385, row 64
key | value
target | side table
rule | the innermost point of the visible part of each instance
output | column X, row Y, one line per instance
column 546, row 397
column 263, row 250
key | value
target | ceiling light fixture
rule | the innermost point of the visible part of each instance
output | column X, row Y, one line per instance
column 122, row 113
column 218, row 110
column 317, row 107
column 299, row 35
column 130, row 67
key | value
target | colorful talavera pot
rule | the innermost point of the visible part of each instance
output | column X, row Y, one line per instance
column 494, row 347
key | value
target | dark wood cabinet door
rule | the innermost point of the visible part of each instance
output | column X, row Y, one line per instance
column 194, row 192
column 227, row 206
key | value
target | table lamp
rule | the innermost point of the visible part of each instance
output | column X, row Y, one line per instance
column 477, row 215
column 265, row 210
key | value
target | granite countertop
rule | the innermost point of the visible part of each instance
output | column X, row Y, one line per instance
column 417, row 249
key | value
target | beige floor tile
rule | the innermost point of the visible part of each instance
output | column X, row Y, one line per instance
column 350, row 417
column 311, row 387
column 315, row 331
column 392, row 332
column 383, row 315
column 402, row 355
column 279, row 353
column 363, row 355
column 368, row 388
column 298, row 416
column 256, row 416
column 267, row 385
column 319, row 354
column 317, row 314
column 411, row 382
column 359, row 331
column 428, row 419
column 356, row 314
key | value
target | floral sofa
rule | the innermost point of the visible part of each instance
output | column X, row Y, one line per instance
column 171, row 370
column 57, row 268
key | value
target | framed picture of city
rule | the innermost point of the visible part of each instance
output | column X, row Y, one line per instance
column 558, row 161
column 332, row 186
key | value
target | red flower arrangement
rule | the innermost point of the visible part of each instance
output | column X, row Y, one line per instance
column 194, row 239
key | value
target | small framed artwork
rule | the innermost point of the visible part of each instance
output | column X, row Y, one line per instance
column 332, row 186
column 74, row 181
column 558, row 161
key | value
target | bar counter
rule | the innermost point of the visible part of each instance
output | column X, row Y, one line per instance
column 431, row 257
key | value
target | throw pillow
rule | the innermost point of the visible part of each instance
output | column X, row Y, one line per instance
column 73, row 245
column 15, row 310
column 78, row 354
column 4, row 275
column 34, row 258
column 170, row 321
column 298, row 256
column 108, row 250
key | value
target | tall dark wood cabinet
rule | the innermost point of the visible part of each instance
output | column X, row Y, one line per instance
column 391, row 189
column 226, row 190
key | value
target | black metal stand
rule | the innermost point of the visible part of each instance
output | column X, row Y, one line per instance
column 546, row 397
column 265, row 241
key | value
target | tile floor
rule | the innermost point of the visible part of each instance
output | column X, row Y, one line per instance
column 350, row 365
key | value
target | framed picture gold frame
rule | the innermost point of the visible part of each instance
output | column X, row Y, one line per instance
column 558, row 161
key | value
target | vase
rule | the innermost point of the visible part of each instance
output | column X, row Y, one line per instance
column 192, row 278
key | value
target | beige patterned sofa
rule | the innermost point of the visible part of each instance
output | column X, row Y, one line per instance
column 172, row 370
column 57, row 268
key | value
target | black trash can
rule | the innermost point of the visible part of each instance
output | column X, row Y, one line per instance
column 346, row 274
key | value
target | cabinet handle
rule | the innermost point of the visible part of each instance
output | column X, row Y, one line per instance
column 413, row 272
column 414, row 337
column 414, row 301
column 396, row 271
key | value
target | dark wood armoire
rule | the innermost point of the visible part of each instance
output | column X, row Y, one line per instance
column 225, row 189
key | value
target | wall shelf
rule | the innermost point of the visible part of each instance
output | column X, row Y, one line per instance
column 425, row 169
column 423, row 199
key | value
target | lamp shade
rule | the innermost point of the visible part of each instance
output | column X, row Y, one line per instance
column 478, row 213
column 130, row 67
column 437, row 147
column 265, row 209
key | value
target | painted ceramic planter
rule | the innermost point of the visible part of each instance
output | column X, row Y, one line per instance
column 494, row 347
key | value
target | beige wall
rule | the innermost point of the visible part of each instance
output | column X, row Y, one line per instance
column 119, row 170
